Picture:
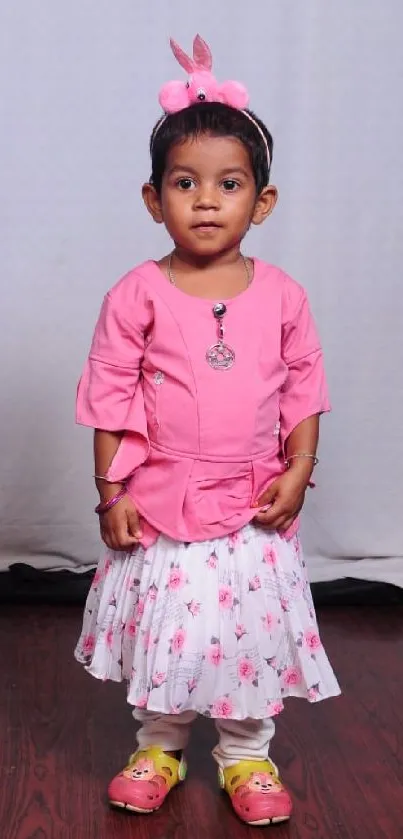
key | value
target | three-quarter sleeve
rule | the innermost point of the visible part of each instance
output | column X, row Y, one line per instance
column 108, row 383
column 304, row 392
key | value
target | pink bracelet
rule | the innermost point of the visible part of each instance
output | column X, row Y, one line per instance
column 103, row 507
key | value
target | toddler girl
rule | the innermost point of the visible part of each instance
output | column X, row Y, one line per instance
column 204, row 385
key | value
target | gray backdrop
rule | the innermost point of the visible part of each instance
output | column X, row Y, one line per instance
column 79, row 96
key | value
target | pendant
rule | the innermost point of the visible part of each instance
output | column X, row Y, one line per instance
column 220, row 356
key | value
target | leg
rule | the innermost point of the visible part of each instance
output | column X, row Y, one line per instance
column 156, row 767
column 243, row 740
column 247, row 774
column 168, row 731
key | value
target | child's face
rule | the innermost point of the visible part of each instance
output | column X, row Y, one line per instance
column 208, row 198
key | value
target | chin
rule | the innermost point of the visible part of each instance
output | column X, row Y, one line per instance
column 205, row 247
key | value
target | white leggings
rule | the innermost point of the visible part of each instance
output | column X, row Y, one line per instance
column 238, row 739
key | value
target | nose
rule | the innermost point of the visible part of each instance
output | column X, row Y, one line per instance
column 206, row 197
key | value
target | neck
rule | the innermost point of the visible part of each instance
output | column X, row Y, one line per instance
column 202, row 262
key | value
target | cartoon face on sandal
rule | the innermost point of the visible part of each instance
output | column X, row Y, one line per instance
column 143, row 770
column 263, row 782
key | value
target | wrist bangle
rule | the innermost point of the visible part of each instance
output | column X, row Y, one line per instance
column 313, row 457
column 104, row 506
column 107, row 480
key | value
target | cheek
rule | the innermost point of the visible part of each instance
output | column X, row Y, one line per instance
column 177, row 212
column 242, row 205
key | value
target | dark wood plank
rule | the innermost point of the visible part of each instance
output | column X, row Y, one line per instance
column 64, row 735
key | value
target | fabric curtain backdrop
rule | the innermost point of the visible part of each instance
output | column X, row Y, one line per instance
column 79, row 98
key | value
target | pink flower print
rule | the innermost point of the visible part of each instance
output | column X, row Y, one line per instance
column 269, row 556
column 88, row 644
column 233, row 540
column 313, row 693
column 212, row 560
column 140, row 608
column 147, row 641
column 255, row 584
column 268, row 622
column 109, row 638
column 246, row 670
column 240, row 631
column 194, row 608
column 215, row 654
column 225, row 597
column 142, row 703
column 131, row 628
column 292, row 676
column 108, row 565
column 178, row 640
column 222, row 708
column 152, row 592
column 312, row 640
column 192, row 683
column 274, row 708
column 176, row 579
column 285, row 604
column 158, row 679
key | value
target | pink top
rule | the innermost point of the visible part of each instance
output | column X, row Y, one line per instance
column 200, row 445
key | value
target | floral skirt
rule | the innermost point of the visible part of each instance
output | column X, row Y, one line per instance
column 226, row 628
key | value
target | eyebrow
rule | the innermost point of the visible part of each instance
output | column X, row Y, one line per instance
column 230, row 170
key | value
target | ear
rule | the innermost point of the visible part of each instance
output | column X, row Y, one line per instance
column 265, row 204
column 153, row 202
column 181, row 57
column 202, row 54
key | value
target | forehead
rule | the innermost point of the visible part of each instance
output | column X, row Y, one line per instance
column 206, row 153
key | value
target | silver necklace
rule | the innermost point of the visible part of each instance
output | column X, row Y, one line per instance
column 220, row 356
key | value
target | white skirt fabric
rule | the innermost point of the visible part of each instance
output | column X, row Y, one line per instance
column 226, row 628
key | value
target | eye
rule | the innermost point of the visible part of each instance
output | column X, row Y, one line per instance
column 201, row 94
column 185, row 184
column 230, row 185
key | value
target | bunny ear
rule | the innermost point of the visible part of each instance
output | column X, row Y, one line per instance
column 181, row 57
column 202, row 54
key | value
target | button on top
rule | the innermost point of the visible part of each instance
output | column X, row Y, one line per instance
column 219, row 310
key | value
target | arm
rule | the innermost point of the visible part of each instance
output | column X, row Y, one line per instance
column 106, row 394
column 106, row 444
column 285, row 497
column 302, row 399
column 303, row 440
column 120, row 527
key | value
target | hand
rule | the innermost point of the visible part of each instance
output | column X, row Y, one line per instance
column 120, row 526
column 285, row 498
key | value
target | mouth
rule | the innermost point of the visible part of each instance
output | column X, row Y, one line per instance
column 206, row 225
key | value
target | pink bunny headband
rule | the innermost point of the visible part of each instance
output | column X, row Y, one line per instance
column 202, row 86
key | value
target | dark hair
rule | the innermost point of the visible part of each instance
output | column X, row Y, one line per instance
column 218, row 120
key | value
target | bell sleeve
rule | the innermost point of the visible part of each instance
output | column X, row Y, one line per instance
column 111, row 373
column 304, row 393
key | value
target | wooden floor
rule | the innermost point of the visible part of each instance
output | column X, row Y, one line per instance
column 63, row 735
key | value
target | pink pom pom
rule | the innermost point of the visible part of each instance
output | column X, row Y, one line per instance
column 173, row 97
column 234, row 94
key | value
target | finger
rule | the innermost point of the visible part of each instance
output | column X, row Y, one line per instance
column 272, row 516
column 287, row 524
column 276, row 525
column 133, row 524
column 268, row 497
column 107, row 540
